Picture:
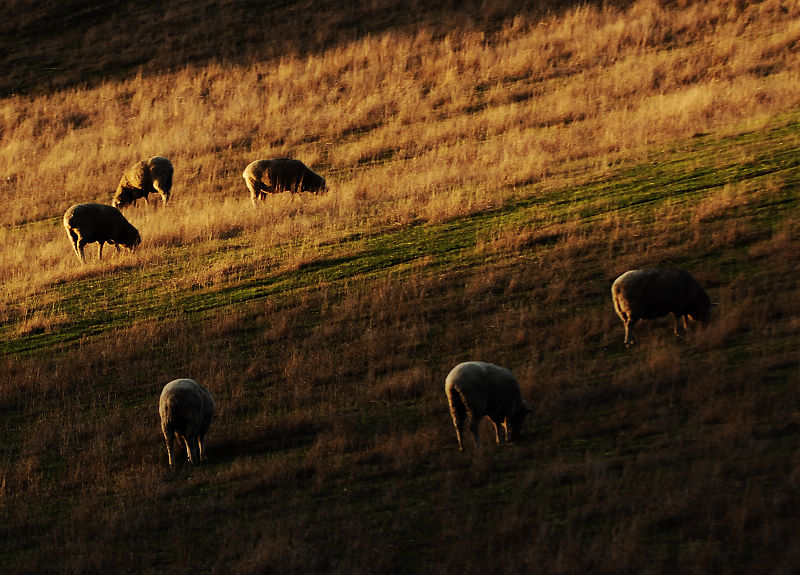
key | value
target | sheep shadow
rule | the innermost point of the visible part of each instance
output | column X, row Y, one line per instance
column 261, row 441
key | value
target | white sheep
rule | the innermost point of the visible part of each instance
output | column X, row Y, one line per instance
column 186, row 410
column 277, row 175
column 89, row 223
column 142, row 179
column 653, row 293
column 483, row 389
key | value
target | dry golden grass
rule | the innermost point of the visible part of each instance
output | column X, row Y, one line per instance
column 333, row 450
column 406, row 127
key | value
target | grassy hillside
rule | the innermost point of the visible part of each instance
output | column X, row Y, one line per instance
column 57, row 44
column 489, row 181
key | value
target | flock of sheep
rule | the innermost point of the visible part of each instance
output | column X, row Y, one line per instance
column 474, row 389
column 102, row 224
column 477, row 389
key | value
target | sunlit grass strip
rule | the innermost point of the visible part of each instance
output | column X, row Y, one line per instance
column 89, row 306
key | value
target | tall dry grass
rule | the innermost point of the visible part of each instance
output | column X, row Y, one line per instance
column 405, row 126
column 333, row 450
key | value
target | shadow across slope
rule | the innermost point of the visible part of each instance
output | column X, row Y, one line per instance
column 48, row 45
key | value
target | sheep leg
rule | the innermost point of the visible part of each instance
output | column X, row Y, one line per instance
column 201, row 447
column 459, row 414
column 254, row 192
column 677, row 329
column 169, row 437
column 80, row 245
column 459, row 425
column 630, row 339
column 101, row 250
column 192, row 450
column 74, row 239
column 498, row 424
column 473, row 427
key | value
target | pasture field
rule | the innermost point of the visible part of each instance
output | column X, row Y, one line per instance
column 491, row 174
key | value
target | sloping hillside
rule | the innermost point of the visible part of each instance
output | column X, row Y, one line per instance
column 488, row 183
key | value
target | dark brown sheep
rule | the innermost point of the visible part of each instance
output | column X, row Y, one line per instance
column 653, row 293
column 479, row 389
column 89, row 223
column 277, row 175
column 142, row 179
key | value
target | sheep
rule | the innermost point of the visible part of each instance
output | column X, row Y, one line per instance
column 142, row 179
column 89, row 223
column 186, row 409
column 653, row 293
column 279, row 175
column 482, row 389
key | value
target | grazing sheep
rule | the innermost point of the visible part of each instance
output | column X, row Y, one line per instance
column 142, row 179
column 186, row 410
column 279, row 175
column 89, row 223
column 478, row 388
column 653, row 293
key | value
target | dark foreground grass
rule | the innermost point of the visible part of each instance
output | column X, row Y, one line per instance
column 333, row 449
